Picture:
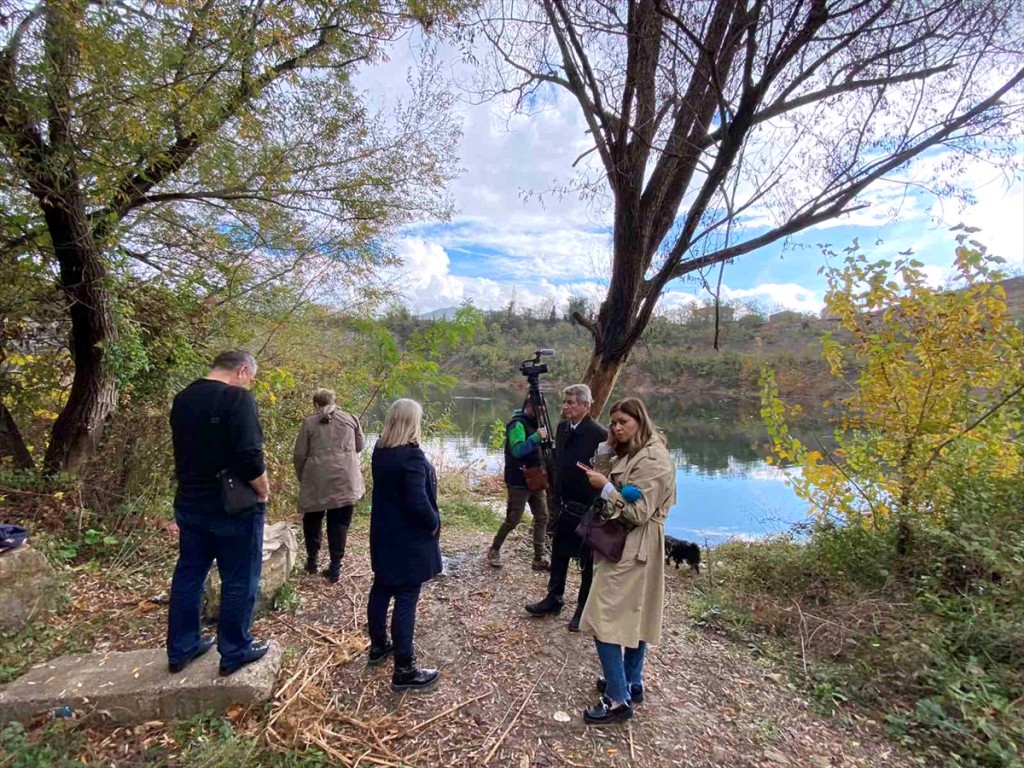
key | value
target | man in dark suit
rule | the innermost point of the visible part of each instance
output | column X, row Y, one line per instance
column 576, row 440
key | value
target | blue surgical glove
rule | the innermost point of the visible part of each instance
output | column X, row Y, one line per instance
column 631, row 493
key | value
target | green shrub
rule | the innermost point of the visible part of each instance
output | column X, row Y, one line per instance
column 935, row 636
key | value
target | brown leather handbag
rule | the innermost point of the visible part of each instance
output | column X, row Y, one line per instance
column 536, row 478
column 605, row 536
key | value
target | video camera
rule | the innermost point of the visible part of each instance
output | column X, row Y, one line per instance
column 534, row 367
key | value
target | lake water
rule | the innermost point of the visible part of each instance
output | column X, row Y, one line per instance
column 726, row 490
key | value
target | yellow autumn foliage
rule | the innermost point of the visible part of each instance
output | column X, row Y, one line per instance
column 937, row 379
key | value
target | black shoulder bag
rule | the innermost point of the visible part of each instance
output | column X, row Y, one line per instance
column 237, row 496
column 605, row 536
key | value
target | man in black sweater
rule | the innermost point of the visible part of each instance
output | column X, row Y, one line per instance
column 215, row 426
column 576, row 440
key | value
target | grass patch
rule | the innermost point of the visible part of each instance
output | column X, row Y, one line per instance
column 35, row 643
column 467, row 514
column 932, row 642
column 206, row 741
column 56, row 746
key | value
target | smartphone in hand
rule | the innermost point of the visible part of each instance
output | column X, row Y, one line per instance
column 584, row 467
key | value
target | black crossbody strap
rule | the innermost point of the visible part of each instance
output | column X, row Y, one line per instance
column 216, row 417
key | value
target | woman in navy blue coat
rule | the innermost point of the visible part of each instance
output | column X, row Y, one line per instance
column 405, row 528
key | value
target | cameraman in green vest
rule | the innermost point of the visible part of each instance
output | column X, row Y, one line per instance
column 522, row 456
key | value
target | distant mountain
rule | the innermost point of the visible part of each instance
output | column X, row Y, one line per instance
column 445, row 313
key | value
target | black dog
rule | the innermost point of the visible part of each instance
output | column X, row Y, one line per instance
column 681, row 551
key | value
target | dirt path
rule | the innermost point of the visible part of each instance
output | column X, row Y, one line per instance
column 708, row 702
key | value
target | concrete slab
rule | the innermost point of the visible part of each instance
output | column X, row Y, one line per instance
column 135, row 686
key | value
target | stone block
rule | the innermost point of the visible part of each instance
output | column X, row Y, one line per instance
column 135, row 687
column 280, row 551
column 27, row 586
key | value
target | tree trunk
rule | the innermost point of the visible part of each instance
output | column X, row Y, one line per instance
column 601, row 377
column 93, row 395
column 11, row 442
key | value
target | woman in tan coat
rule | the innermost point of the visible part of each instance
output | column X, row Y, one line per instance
column 326, row 460
column 625, row 605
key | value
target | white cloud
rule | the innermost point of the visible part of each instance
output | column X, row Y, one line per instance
column 786, row 295
column 426, row 281
column 539, row 246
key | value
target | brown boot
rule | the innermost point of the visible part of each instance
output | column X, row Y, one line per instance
column 494, row 557
column 541, row 564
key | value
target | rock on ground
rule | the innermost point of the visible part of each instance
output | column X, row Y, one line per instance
column 28, row 586
column 135, row 687
column 280, row 551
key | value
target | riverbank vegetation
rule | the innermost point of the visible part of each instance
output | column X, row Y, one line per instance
column 905, row 593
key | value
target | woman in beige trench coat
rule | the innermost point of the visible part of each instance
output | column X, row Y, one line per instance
column 625, row 605
column 326, row 459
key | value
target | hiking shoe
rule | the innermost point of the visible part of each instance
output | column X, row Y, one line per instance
column 541, row 564
column 332, row 573
column 311, row 565
column 603, row 713
column 408, row 678
column 636, row 692
column 549, row 606
column 378, row 653
column 494, row 557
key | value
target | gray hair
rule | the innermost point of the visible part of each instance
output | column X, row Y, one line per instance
column 233, row 359
column 402, row 424
column 322, row 397
column 581, row 392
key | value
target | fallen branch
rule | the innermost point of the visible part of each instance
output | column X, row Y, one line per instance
column 515, row 719
column 435, row 718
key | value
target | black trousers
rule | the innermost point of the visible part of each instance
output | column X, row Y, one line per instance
column 559, row 571
column 403, row 618
column 338, row 521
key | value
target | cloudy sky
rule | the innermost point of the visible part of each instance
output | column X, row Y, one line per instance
column 508, row 239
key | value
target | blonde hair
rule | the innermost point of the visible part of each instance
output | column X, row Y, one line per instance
column 402, row 424
column 322, row 397
column 634, row 407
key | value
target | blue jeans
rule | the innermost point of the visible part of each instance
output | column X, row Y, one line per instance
column 403, row 618
column 206, row 534
column 621, row 670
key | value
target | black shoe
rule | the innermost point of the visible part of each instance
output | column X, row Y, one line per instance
column 549, row 606
column 311, row 564
column 205, row 644
column 574, row 625
column 256, row 652
column 636, row 692
column 408, row 678
column 378, row 653
column 603, row 713
column 332, row 572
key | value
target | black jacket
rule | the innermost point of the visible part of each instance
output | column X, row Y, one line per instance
column 572, row 445
column 571, row 486
column 405, row 523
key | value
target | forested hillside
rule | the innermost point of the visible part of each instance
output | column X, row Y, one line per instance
column 676, row 354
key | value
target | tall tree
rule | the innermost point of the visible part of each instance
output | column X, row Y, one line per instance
column 218, row 143
column 721, row 126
